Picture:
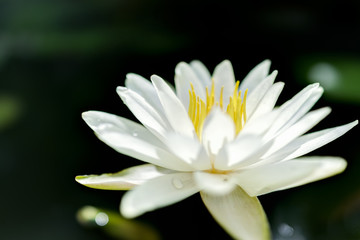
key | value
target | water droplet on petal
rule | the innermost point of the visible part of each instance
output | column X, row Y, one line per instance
column 135, row 134
column 177, row 183
column 104, row 126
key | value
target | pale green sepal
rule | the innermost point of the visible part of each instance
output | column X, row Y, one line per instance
column 239, row 214
column 123, row 180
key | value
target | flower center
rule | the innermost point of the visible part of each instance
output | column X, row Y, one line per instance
column 199, row 108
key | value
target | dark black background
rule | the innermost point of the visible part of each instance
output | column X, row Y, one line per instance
column 59, row 58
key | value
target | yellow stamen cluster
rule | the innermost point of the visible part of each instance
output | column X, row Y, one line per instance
column 199, row 109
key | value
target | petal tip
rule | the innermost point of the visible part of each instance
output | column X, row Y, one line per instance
column 196, row 61
column 275, row 73
column 82, row 179
column 266, row 63
column 226, row 61
column 121, row 91
column 180, row 67
column 121, row 88
column 85, row 115
column 155, row 77
column 352, row 124
column 131, row 75
column 91, row 117
column 225, row 64
column 127, row 213
column 327, row 110
column 343, row 165
column 127, row 210
column 315, row 85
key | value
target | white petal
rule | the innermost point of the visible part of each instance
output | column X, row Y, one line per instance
column 143, row 111
column 158, row 192
column 101, row 122
column 190, row 150
column 288, row 174
column 218, row 129
column 255, row 76
column 260, row 125
column 224, row 77
column 289, row 109
column 245, row 150
column 123, row 180
column 144, row 88
column 255, row 96
column 310, row 102
column 217, row 184
column 202, row 72
column 308, row 143
column 184, row 75
column 302, row 126
column 312, row 141
column 268, row 102
column 132, row 139
column 239, row 214
column 182, row 90
column 174, row 109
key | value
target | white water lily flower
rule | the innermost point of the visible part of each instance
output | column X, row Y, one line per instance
column 214, row 136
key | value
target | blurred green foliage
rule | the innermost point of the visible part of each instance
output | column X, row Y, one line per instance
column 337, row 73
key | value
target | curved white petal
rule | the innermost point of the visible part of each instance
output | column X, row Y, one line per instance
column 158, row 192
column 289, row 109
column 218, row 130
column 224, row 77
column 259, row 91
column 245, row 150
column 143, row 111
column 214, row 183
column 260, row 125
column 312, row 141
column 302, row 126
column 174, row 109
column 268, row 102
column 132, row 139
column 239, row 214
column 123, row 180
column 145, row 89
column 288, row 174
column 202, row 72
column 190, row 150
column 184, row 75
column 255, row 76
column 182, row 90
column 310, row 102
column 101, row 122
column 308, row 143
